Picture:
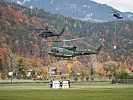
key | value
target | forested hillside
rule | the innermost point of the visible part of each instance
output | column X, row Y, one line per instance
column 21, row 48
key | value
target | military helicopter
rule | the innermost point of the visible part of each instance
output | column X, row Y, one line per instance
column 48, row 33
column 70, row 51
column 116, row 14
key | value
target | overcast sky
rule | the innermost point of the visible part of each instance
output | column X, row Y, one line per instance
column 121, row 5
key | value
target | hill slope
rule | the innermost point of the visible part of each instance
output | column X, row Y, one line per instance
column 17, row 39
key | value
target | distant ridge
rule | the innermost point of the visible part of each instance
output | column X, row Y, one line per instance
column 85, row 10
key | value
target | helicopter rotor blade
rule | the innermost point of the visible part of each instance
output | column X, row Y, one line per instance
column 74, row 39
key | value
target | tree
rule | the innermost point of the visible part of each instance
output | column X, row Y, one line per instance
column 33, row 74
column 69, row 68
column 21, row 68
column 111, row 68
column 77, row 70
column 0, row 64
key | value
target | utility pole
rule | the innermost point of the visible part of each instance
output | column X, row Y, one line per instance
column 11, row 59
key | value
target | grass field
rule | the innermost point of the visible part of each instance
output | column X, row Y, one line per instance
column 41, row 91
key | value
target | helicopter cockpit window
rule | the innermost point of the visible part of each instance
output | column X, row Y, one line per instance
column 60, row 49
column 57, row 51
column 52, row 50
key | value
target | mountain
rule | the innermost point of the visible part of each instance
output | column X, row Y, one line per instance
column 22, row 48
column 85, row 10
column 15, row 31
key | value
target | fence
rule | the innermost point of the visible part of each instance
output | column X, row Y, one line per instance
column 125, row 81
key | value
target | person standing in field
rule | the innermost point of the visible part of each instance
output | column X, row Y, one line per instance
column 51, row 83
column 61, row 83
column 69, row 83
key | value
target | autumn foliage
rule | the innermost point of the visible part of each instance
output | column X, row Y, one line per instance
column 22, row 49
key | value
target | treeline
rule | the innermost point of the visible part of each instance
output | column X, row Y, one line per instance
column 18, row 37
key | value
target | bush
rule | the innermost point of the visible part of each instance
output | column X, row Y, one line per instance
column 76, row 79
column 87, row 78
column 125, row 76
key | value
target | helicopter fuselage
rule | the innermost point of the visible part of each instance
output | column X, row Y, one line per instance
column 69, row 52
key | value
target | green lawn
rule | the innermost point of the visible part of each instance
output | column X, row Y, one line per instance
column 40, row 91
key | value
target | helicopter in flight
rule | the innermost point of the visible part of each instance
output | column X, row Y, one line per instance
column 70, row 52
column 48, row 33
column 116, row 14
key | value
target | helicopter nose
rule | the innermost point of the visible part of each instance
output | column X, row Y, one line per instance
column 50, row 53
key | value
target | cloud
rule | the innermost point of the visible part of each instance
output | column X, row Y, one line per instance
column 21, row 3
column 121, row 5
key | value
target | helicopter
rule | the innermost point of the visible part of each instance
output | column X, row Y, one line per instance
column 116, row 14
column 48, row 33
column 70, row 52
